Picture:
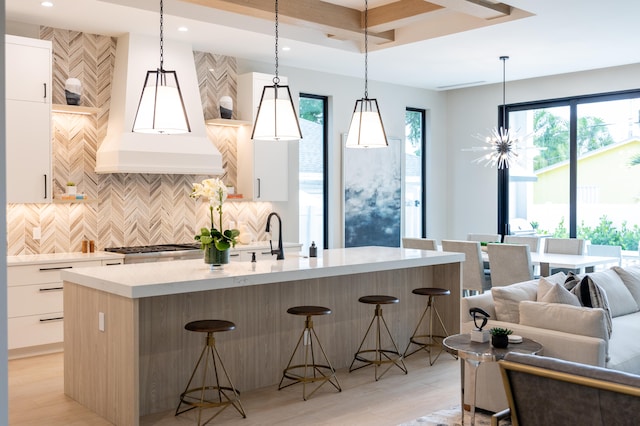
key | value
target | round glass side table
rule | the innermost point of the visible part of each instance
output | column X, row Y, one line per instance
column 472, row 354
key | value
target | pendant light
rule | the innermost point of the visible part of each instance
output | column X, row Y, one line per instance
column 161, row 107
column 502, row 142
column 277, row 118
column 366, row 129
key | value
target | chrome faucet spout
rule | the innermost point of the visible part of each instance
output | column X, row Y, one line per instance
column 280, row 250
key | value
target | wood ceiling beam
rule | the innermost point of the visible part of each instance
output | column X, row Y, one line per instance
column 336, row 21
column 399, row 13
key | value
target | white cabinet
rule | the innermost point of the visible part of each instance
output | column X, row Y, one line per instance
column 35, row 302
column 28, row 120
column 262, row 165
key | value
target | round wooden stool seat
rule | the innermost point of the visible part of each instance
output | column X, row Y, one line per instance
column 309, row 310
column 378, row 300
column 210, row 326
column 431, row 291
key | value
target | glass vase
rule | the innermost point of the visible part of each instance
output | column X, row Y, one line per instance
column 215, row 258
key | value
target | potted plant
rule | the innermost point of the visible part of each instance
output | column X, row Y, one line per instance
column 500, row 337
column 214, row 241
column 71, row 188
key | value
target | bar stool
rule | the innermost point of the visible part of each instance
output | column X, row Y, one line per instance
column 214, row 394
column 380, row 356
column 310, row 371
column 427, row 341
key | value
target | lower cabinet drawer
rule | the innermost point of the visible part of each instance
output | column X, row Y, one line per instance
column 35, row 330
column 34, row 299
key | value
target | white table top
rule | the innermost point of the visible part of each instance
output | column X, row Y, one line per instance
column 559, row 260
column 184, row 276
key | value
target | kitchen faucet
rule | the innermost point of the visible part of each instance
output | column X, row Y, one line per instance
column 279, row 251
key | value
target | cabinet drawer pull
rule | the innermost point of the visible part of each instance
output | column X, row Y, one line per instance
column 111, row 264
column 45, row 186
column 51, row 289
column 258, row 188
column 45, row 90
column 234, row 254
column 55, row 268
column 51, row 319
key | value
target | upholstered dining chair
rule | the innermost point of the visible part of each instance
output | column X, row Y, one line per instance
column 564, row 246
column 419, row 243
column 532, row 241
column 509, row 263
column 484, row 238
column 473, row 277
column 605, row 250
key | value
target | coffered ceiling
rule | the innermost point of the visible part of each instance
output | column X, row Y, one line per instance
column 436, row 44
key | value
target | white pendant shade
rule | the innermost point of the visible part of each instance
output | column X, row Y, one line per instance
column 277, row 118
column 366, row 129
column 161, row 108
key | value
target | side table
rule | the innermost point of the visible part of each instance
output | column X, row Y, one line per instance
column 472, row 354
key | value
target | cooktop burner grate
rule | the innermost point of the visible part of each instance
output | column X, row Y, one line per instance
column 153, row 248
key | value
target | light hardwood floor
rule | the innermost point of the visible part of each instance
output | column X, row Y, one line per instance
column 36, row 398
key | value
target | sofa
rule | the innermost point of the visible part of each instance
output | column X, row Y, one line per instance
column 594, row 322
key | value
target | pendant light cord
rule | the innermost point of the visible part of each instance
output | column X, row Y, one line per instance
column 161, row 35
column 366, row 49
column 276, row 79
column 504, row 97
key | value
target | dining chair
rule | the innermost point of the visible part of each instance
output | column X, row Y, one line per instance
column 473, row 277
column 419, row 243
column 484, row 238
column 532, row 241
column 509, row 263
column 605, row 250
column 564, row 246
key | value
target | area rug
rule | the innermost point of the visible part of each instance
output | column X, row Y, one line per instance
column 451, row 417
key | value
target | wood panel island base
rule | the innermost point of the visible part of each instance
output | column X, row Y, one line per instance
column 127, row 354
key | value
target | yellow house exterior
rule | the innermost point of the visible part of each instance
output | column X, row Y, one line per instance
column 604, row 177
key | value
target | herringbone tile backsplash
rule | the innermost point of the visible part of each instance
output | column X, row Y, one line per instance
column 129, row 209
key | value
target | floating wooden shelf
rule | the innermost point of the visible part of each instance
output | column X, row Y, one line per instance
column 227, row 122
column 74, row 109
column 76, row 201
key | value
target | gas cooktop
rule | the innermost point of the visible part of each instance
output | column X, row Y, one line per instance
column 154, row 248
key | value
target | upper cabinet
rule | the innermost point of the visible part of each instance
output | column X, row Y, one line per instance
column 28, row 120
column 262, row 165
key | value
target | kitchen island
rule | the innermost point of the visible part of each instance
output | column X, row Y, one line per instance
column 127, row 354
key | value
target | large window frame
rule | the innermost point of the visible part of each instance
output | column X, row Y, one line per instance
column 572, row 103
column 423, row 168
column 325, row 164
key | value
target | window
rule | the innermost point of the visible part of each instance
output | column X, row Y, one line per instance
column 313, row 171
column 578, row 171
column 414, row 176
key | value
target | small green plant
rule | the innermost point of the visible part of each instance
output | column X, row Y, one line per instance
column 499, row 331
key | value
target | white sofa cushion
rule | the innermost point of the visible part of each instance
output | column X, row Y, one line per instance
column 631, row 278
column 555, row 293
column 507, row 299
column 624, row 345
column 566, row 318
column 621, row 301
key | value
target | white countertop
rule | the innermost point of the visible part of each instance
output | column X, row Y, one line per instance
column 31, row 259
column 185, row 276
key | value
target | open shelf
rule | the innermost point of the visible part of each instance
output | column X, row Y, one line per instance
column 74, row 109
column 227, row 122
column 76, row 201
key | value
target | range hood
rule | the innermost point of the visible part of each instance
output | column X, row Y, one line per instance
column 123, row 151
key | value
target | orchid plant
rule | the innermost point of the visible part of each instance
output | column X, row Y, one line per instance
column 216, row 192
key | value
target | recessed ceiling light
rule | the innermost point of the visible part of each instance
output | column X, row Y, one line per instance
column 183, row 29
column 46, row 4
column 286, row 48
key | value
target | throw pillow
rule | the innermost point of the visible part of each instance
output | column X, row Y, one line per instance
column 592, row 296
column 621, row 302
column 571, row 280
column 507, row 298
column 558, row 277
column 631, row 278
column 555, row 293
column 565, row 318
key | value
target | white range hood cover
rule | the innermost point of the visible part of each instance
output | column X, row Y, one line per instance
column 123, row 151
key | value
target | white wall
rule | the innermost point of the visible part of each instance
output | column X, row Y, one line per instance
column 393, row 99
column 472, row 188
column 4, row 379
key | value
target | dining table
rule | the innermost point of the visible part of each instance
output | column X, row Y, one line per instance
column 546, row 261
